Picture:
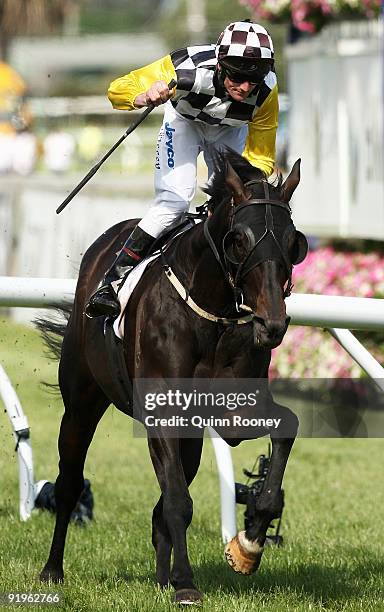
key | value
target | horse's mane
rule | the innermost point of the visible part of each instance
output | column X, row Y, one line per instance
column 217, row 188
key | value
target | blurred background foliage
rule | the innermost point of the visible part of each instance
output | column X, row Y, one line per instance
column 177, row 22
column 171, row 19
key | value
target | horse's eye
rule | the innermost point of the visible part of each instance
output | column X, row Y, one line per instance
column 238, row 239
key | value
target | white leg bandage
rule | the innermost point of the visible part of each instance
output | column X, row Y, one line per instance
column 250, row 547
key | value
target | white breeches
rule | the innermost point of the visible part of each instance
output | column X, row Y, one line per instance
column 179, row 143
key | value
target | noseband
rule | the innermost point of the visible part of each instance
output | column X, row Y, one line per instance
column 241, row 269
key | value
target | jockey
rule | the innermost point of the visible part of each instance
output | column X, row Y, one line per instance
column 226, row 95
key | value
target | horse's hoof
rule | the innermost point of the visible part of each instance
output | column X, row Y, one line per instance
column 243, row 555
column 188, row 597
column 51, row 575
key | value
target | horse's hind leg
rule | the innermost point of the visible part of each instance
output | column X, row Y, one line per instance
column 84, row 408
column 244, row 552
column 190, row 457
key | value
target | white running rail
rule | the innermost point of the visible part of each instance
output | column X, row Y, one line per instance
column 337, row 314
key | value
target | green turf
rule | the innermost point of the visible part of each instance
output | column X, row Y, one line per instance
column 333, row 557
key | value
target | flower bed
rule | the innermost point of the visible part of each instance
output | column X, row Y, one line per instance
column 308, row 352
column 313, row 15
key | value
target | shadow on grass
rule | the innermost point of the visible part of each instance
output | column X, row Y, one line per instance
column 317, row 580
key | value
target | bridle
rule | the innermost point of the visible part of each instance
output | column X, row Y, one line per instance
column 228, row 264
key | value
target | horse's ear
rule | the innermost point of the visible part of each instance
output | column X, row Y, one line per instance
column 234, row 182
column 291, row 182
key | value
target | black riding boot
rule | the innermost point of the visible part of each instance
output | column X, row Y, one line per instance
column 105, row 301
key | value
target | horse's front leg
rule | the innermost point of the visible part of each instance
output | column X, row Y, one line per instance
column 190, row 456
column 162, row 543
column 177, row 513
column 245, row 550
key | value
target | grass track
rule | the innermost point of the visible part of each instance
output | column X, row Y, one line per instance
column 333, row 558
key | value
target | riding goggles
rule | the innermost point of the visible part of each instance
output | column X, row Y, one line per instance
column 242, row 77
column 242, row 72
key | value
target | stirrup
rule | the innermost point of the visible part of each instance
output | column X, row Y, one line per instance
column 104, row 302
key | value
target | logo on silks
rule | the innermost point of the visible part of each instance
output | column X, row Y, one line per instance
column 169, row 144
column 159, row 139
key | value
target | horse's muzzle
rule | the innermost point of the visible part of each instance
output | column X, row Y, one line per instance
column 269, row 333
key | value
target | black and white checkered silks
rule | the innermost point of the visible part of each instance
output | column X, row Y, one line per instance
column 214, row 118
column 199, row 96
column 243, row 39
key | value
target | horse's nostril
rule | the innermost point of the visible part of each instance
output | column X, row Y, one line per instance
column 275, row 328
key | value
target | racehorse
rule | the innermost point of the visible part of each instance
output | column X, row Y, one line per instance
column 235, row 268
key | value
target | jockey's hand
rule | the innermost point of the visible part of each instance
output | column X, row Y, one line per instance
column 157, row 94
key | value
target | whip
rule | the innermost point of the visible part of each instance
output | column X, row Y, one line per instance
column 95, row 168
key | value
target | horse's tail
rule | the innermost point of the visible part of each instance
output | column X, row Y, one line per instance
column 52, row 328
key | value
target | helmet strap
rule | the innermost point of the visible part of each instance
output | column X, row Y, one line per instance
column 221, row 74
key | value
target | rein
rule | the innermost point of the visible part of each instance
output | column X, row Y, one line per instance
column 203, row 313
column 192, row 304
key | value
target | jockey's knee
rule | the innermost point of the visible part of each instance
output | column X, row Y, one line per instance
column 162, row 214
column 172, row 201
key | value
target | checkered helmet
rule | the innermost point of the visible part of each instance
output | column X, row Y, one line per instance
column 246, row 40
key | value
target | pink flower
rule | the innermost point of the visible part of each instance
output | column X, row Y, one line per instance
column 310, row 16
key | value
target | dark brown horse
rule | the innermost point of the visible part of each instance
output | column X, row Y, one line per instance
column 236, row 264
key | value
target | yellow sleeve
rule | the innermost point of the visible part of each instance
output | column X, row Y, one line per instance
column 261, row 140
column 123, row 91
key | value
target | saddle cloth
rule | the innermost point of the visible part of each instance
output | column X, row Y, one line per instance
column 126, row 291
column 134, row 277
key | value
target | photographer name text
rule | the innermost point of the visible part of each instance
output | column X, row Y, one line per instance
column 200, row 422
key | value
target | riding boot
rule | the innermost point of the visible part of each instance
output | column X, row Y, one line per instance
column 105, row 301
